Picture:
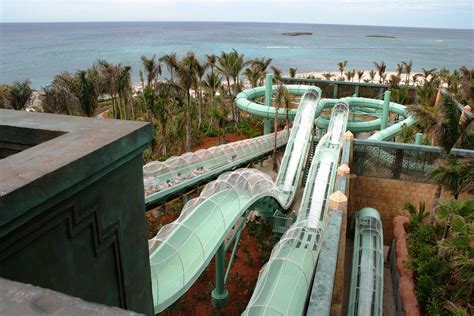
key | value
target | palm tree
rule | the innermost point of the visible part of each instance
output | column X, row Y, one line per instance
column 276, row 73
column 407, row 66
column 327, row 75
column 110, row 74
column 342, row 65
column 171, row 63
column 466, row 83
column 454, row 174
column 449, row 208
column 211, row 61
column 225, row 67
column 260, row 65
column 447, row 128
column 428, row 73
column 350, row 74
column 160, row 102
column 19, row 94
column 292, row 72
column 152, row 69
column 61, row 96
column 417, row 216
column 446, row 125
column 89, row 89
column 400, row 69
column 200, row 70
column 186, row 72
column 360, row 75
column 253, row 76
column 394, row 81
column 381, row 70
column 457, row 216
column 212, row 84
column 372, row 75
column 124, row 89
column 282, row 99
column 230, row 65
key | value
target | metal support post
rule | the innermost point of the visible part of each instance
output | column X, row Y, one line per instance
column 220, row 294
column 386, row 106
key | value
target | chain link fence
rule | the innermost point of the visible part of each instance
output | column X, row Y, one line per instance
column 391, row 160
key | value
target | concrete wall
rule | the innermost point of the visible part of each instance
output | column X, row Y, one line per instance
column 389, row 196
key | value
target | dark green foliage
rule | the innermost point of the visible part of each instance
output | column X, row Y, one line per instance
column 455, row 174
column 442, row 280
column 417, row 215
column 18, row 94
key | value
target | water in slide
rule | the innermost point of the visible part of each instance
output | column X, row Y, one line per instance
column 181, row 250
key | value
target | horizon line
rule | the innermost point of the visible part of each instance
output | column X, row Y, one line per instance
column 264, row 22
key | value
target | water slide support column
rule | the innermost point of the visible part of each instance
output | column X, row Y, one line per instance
column 220, row 294
column 418, row 138
column 267, row 123
column 356, row 92
column 268, row 102
column 334, row 91
column 386, row 105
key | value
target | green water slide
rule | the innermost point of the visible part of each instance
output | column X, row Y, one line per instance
column 248, row 101
column 182, row 249
column 285, row 280
column 366, row 296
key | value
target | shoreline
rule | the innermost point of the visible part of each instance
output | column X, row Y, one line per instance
column 336, row 75
column 319, row 75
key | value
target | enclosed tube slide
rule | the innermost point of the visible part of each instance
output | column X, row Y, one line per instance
column 164, row 177
column 366, row 297
column 181, row 250
column 285, row 280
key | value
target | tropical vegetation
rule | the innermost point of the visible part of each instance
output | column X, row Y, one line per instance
column 443, row 259
column 188, row 97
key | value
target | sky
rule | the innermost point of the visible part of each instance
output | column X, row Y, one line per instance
column 411, row 13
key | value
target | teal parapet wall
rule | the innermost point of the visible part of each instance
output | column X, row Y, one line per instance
column 72, row 207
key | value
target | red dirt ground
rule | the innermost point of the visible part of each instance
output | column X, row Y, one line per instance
column 214, row 141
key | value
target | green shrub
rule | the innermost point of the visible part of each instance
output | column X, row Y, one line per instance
column 442, row 280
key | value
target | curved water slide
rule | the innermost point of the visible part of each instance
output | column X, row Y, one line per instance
column 285, row 280
column 181, row 250
column 246, row 102
column 371, row 107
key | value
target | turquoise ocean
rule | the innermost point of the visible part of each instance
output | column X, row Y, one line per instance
column 39, row 51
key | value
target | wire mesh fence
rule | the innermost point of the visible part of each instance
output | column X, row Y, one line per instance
column 391, row 160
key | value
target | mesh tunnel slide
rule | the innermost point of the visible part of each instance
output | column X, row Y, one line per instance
column 162, row 178
column 181, row 250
